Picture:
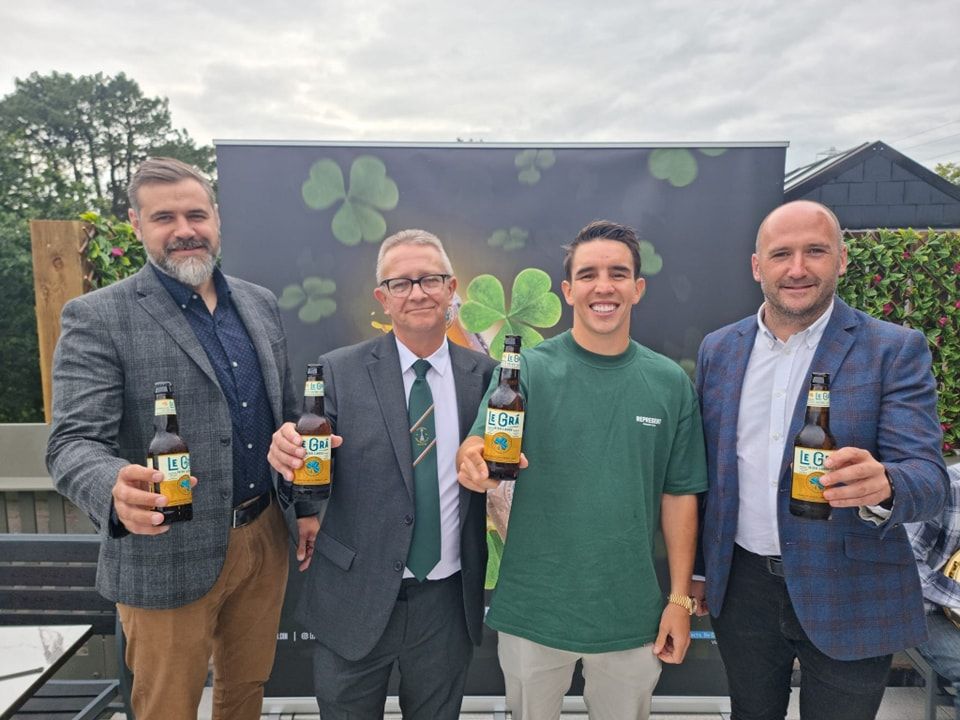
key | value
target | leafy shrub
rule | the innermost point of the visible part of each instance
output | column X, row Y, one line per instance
column 913, row 279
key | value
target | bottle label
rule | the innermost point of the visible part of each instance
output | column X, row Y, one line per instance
column 510, row 361
column 164, row 406
column 818, row 398
column 313, row 388
column 807, row 471
column 175, row 485
column 502, row 436
column 316, row 465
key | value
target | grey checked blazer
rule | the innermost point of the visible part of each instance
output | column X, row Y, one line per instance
column 114, row 344
column 354, row 578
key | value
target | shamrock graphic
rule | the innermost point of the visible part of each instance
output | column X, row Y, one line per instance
column 313, row 294
column 371, row 190
column 531, row 162
column 509, row 239
column 678, row 166
column 532, row 305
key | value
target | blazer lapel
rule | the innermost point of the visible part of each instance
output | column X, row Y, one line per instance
column 737, row 359
column 833, row 348
column 384, row 368
column 470, row 389
column 247, row 309
column 156, row 302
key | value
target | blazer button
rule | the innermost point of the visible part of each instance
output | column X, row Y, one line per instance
column 398, row 566
column 408, row 519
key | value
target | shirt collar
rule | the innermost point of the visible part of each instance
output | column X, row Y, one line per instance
column 439, row 360
column 182, row 294
column 810, row 336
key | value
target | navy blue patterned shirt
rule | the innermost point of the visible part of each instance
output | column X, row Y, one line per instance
column 227, row 344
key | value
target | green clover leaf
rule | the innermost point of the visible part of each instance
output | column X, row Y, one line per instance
column 312, row 294
column 509, row 239
column 371, row 191
column 531, row 162
column 676, row 165
column 324, row 186
column 650, row 262
column 532, row 305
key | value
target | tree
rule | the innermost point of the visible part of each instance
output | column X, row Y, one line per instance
column 21, row 395
column 949, row 170
column 67, row 144
column 79, row 139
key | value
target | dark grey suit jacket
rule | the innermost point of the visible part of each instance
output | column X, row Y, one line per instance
column 354, row 578
column 115, row 343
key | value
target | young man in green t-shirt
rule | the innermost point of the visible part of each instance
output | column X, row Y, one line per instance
column 615, row 445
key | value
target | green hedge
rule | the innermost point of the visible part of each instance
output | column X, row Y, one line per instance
column 913, row 279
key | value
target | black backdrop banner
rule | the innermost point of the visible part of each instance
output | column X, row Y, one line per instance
column 306, row 220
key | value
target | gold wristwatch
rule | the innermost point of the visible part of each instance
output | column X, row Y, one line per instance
column 685, row 601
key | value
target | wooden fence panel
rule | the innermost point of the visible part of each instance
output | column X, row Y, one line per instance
column 58, row 276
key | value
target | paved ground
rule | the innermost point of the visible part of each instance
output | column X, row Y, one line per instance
column 898, row 704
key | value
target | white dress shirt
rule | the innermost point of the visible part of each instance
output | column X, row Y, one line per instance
column 777, row 373
column 446, row 421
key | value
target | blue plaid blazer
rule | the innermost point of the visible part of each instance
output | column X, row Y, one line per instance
column 853, row 585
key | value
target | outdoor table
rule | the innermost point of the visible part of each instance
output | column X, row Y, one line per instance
column 30, row 655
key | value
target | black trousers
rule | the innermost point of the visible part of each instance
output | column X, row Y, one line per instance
column 759, row 637
column 427, row 637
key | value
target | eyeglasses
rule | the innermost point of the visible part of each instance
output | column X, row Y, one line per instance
column 401, row 286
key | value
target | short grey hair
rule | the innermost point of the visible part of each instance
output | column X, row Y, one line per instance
column 412, row 237
column 167, row 171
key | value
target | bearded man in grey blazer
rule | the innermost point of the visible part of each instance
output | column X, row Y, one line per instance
column 213, row 585
column 396, row 574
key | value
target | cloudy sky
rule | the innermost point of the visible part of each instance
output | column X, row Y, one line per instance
column 816, row 73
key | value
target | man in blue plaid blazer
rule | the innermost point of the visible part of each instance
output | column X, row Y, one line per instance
column 934, row 543
column 841, row 595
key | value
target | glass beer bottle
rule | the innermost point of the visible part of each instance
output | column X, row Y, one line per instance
column 811, row 448
column 168, row 454
column 503, row 431
column 311, row 481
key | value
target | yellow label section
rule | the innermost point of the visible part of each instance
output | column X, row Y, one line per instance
column 807, row 471
column 175, row 485
column 164, row 406
column 502, row 436
column 510, row 360
column 818, row 398
column 313, row 388
column 316, row 465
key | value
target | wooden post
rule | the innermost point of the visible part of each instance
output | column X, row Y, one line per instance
column 58, row 276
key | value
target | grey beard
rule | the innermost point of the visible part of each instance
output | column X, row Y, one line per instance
column 192, row 272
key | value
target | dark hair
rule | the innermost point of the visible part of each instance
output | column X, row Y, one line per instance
column 604, row 230
column 164, row 170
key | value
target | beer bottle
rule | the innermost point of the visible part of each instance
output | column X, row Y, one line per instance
column 168, row 453
column 311, row 481
column 811, row 448
column 503, row 432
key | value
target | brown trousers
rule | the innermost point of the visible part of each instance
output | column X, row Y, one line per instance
column 235, row 622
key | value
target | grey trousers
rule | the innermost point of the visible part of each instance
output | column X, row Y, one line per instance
column 426, row 637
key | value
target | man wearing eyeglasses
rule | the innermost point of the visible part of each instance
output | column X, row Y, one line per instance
column 396, row 573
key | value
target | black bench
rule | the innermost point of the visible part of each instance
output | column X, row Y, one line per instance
column 50, row 580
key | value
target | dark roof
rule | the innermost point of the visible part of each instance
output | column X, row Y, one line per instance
column 873, row 185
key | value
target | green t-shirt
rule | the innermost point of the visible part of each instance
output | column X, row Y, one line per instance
column 605, row 436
